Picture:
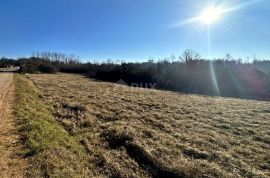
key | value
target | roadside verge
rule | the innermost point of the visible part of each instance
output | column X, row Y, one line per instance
column 52, row 152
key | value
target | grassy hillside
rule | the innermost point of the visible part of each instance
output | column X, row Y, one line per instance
column 51, row 150
column 132, row 132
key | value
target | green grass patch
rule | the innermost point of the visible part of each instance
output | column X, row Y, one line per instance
column 51, row 150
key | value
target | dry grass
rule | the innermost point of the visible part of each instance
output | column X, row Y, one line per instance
column 130, row 132
column 51, row 151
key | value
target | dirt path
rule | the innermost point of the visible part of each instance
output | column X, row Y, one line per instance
column 11, row 164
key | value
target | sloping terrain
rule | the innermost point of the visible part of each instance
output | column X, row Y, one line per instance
column 11, row 162
column 133, row 132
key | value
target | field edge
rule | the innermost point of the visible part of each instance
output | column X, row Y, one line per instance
column 52, row 152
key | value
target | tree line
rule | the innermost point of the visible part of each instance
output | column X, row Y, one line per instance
column 189, row 73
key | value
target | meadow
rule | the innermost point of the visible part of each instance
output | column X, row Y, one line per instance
column 111, row 130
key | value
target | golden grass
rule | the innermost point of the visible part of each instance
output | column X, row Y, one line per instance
column 132, row 132
column 51, row 150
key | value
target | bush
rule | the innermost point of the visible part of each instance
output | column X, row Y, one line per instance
column 28, row 68
column 47, row 68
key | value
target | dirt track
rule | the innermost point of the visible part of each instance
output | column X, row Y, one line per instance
column 5, row 83
column 11, row 164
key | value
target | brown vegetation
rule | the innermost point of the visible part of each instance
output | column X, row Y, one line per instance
column 134, row 132
column 12, row 163
column 50, row 150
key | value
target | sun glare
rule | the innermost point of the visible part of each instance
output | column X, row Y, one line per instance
column 210, row 15
column 214, row 12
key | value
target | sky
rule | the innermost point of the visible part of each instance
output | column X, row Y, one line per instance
column 133, row 30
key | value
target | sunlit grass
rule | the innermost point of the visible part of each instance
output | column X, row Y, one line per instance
column 51, row 150
column 142, row 132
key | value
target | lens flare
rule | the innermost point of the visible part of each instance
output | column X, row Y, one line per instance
column 209, row 15
column 211, row 65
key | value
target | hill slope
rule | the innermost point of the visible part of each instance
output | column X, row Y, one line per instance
column 149, row 133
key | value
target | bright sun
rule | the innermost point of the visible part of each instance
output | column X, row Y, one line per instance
column 210, row 15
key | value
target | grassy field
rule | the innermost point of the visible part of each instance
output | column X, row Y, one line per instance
column 108, row 130
column 51, row 152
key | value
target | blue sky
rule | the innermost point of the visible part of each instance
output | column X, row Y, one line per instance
column 131, row 29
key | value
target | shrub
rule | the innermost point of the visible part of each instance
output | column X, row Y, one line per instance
column 47, row 68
